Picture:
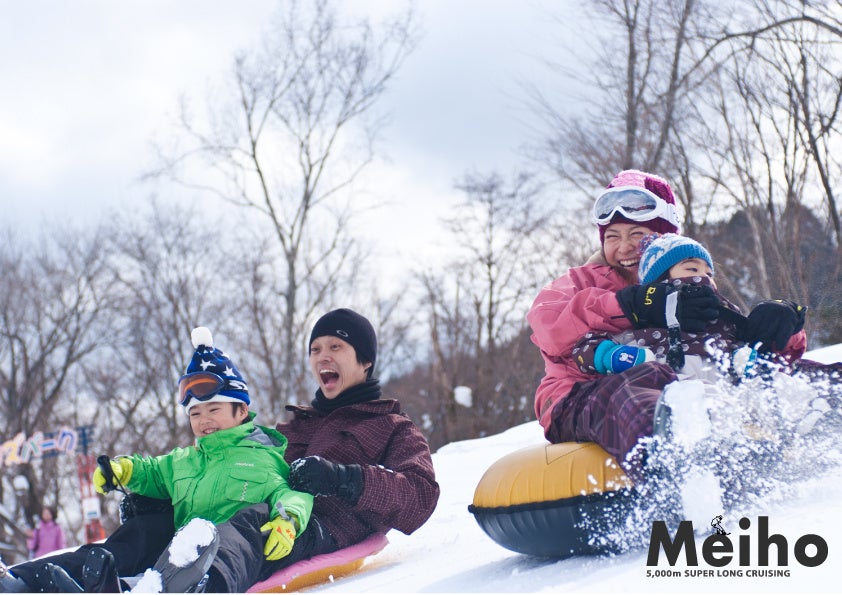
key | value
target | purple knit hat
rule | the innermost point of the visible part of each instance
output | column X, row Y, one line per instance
column 654, row 184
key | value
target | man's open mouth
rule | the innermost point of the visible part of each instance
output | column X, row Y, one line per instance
column 328, row 376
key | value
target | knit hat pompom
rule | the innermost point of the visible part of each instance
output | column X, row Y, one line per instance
column 661, row 253
column 201, row 335
column 207, row 358
column 654, row 184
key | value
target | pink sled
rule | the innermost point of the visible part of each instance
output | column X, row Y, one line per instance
column 322, row 568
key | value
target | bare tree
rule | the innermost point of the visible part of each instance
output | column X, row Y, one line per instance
column 52, row 298
column 450, row 333
column 475, row 307
column 640, row 50
column 776, row 100
column 289, row 140
column 172, row 276
column 495, row 228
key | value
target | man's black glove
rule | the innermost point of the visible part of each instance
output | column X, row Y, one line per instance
column 645, row 305
column 134, row 504
column 772, row 323
column 320, row 477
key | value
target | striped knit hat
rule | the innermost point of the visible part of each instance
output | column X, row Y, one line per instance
column 661, row 253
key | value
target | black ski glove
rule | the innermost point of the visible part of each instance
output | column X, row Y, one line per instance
column 320, row 477
column 698, row 306
column 645, row 305
column 772, row 323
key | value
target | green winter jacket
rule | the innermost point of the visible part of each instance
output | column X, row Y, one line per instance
column 223, row 473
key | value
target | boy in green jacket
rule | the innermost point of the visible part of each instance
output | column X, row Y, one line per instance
column 234, row 464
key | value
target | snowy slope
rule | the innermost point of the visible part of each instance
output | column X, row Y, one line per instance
column 450, row 553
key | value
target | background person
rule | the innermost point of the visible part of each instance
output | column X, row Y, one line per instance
column 48, row 536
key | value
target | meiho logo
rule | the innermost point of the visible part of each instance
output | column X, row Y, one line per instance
column 718, row 549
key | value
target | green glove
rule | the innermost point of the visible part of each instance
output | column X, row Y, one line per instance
column 122, row 469
column 280, row 539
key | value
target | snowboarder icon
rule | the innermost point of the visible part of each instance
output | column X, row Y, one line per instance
column 716, row 523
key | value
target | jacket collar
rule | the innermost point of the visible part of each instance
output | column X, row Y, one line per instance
column 380, row 406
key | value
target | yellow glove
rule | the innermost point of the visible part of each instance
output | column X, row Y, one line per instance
column 122, row 469
column 280, row 539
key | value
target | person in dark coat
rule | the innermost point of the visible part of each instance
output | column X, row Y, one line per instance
column 365, row 461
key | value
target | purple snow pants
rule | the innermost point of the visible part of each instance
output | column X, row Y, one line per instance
column 614, row 411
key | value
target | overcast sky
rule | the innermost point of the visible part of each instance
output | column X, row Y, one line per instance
column 87, row 84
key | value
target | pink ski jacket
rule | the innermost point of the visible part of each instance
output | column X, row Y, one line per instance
column 48, row 537
column 579, row 302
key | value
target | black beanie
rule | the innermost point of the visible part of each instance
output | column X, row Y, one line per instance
column 352, row 328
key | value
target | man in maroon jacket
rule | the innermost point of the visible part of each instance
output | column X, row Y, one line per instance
column 365, row 461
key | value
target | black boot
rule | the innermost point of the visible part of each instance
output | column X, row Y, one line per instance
column 50, row 578
column 99, row 574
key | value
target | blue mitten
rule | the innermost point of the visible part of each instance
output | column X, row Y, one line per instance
column 611, row 358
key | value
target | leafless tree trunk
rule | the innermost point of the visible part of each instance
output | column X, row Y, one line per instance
column 638, row 53
column 778, row 100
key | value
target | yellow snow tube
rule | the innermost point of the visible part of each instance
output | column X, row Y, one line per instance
column 536, row 500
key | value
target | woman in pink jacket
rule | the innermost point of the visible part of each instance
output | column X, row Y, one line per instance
column 604, row 295
column 48, row 536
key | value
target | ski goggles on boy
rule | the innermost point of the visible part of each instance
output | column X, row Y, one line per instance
column 633, row 203
column 200, row 386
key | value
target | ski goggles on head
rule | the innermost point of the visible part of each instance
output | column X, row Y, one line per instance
column 633, row 203
column 200, row 386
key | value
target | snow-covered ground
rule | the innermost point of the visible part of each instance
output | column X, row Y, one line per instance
column 451, row 554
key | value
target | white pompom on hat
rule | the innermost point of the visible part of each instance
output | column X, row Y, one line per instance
column 207, row 358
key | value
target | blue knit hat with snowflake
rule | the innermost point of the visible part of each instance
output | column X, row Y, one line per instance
column 661, row 253
column 210, row 376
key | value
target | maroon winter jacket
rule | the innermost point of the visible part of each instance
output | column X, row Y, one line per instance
column 399, row 485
